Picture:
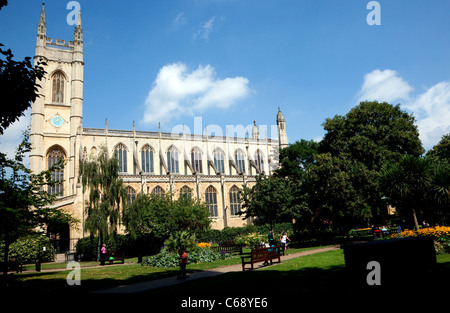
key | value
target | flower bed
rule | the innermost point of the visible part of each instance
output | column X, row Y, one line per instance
column 440, row 234
column 435, row 232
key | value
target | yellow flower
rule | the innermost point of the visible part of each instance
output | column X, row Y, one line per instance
column 436, row 232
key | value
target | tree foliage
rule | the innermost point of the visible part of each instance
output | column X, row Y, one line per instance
column 100, row 177
column 162, row 216
column 24, row 201
column 18, row 86
column 418, row 186
column 344, row 180
column 270, row 200
column 442, row 149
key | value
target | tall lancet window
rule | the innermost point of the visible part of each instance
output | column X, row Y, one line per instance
column 147, row 159
column 172, row 160
column 259, row 160
column 58, row 81
column 54, row 156
column 196, row 157
column 121, row 155
column 211, row 200
column 239, row 158
column 218, row 160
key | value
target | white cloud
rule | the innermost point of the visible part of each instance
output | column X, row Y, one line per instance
column 206, row 29
column 432, row 111
column 384, row 86
column 430, row 108
column 176, row 92
column 179, row 20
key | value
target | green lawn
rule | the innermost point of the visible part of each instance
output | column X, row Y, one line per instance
column 322, row 273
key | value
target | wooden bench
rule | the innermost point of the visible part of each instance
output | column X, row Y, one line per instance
column 265, row 254
column 228, row 249
column 115, row 255
column 12, row 265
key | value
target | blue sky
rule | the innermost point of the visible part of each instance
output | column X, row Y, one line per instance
column 234, row 61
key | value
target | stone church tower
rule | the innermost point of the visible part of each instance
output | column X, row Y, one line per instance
column 56, row 115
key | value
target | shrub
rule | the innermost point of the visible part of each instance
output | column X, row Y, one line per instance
column 164, row 259
column 25, row 249
column 169, row 259
column 442, row 245
column 253, row 239
column 181, row 240
column 205, row 255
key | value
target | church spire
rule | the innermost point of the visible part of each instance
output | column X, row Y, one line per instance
column 42, row 18
column 281, row 125
column 42, row 29
column 78, row 34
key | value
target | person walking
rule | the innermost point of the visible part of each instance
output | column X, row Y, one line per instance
column 283, row 238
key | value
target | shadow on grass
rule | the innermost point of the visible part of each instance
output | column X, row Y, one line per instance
column 312, row 285
column 282, row 287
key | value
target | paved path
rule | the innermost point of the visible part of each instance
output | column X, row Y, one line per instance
column 170, row 281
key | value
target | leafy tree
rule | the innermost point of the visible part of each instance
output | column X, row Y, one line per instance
column 164, row 217
column 442, row 149
column 24, row 200
column 101, row 177
column 295, row 160
column 339, row 188
column 190, row 215
column 372, row 133
column 418, row 185
column 344, row 181
column 18, row 84
column 270, row 200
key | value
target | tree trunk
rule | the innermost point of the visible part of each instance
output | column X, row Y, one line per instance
column 416, row 224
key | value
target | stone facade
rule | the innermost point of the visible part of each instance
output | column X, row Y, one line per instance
column 209, row 167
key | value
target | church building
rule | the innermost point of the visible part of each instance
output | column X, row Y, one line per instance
column 207, row 167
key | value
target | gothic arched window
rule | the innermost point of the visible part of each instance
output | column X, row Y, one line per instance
column 158, row 190
column 196, row 158
column 211, row 200
column 54, row 156
column 121, row 155
column 239, row 158
column 131, row 195
column 218, row 160
column 186, row 192
column 58, row 81
column 147, row 159
column 235, row 204
column 172, row 160
column 259, row 160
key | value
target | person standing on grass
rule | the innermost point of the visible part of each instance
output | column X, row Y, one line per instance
column 183, row 263
column 103, row 255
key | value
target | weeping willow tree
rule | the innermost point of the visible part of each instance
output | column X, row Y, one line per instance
column 100, row 177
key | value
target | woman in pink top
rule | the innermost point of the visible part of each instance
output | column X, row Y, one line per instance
column 103, row 255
